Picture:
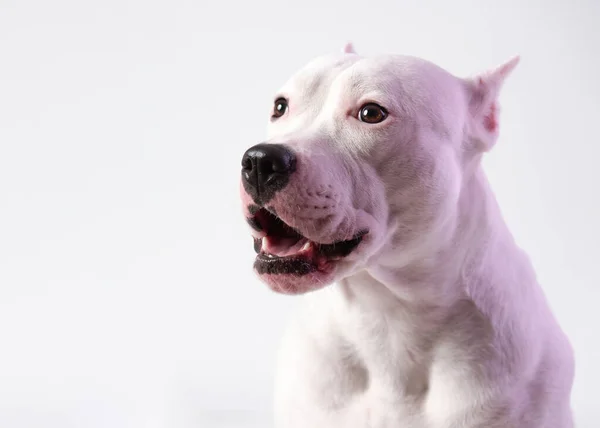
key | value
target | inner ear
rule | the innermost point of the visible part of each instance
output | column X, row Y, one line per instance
column 490, row 118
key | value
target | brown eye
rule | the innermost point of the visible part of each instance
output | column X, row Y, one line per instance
column 372, row 113
column 280, row 107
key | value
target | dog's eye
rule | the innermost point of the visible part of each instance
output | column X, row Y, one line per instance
column 372, row 113
column 280, row 107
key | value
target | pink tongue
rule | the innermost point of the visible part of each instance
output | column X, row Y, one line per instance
column 282, row 246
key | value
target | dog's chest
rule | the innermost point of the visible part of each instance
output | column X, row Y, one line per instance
column 350, row 366
column 394, row 347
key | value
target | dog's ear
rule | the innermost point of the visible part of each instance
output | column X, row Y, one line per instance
column 348, row 48
column 483, row 91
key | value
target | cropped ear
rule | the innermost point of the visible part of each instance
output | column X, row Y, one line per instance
column 348, row 48
column 483, row 91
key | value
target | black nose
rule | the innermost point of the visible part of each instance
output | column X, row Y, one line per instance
column 266, row 168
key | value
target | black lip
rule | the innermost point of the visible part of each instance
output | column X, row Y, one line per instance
column 342, row 248
column 283, row 265
column 257, row 245
column 254, row 223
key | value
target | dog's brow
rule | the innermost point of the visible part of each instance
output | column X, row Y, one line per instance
column 318, row 75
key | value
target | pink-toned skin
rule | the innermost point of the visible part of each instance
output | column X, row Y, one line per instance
column 436, row 320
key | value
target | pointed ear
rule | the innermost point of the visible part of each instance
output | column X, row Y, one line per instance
column 483, row 92
column 348, row 48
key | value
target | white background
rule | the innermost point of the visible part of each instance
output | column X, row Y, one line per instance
column 126, row 292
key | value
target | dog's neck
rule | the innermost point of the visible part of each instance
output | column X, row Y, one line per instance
column 480, row 276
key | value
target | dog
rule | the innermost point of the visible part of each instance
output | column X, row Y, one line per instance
column 368, row 200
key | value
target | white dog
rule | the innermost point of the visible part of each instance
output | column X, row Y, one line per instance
column 421, row 311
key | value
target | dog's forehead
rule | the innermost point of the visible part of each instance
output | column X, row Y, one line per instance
column 392, row 77
column 319, row 72
column 399, row 72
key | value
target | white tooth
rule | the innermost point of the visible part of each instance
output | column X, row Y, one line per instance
column 306, row 246
column 264, row 244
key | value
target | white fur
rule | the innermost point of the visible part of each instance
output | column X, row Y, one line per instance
column 438, row 322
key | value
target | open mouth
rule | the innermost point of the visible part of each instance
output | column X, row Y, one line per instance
column 284, row 250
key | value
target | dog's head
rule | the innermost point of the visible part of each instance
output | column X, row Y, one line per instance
column 364, row 164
